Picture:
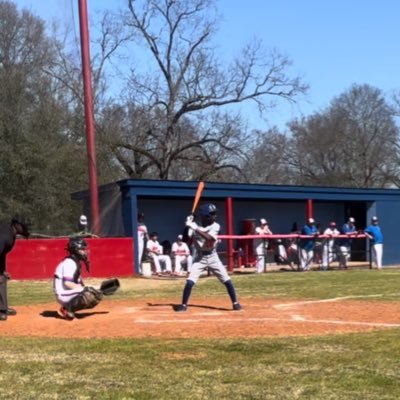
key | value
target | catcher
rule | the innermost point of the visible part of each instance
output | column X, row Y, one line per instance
column 68, row 286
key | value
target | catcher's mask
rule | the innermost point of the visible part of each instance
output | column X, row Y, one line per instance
column 21, row 225
column 79, row 248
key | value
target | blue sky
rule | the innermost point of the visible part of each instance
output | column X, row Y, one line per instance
column 332, row 43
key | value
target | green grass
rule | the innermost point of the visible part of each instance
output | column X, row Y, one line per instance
column 344, row 366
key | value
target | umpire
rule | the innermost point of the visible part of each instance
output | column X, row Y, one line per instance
column 8, row 233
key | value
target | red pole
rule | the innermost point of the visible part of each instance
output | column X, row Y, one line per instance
column 89, row 116
column 229, row 231
column 310, row 209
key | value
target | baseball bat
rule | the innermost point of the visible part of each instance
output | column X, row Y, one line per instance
column 199, row 191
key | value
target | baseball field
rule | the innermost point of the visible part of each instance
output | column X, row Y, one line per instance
column 317, row 335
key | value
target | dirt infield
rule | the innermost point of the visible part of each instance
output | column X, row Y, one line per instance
column 210, row 317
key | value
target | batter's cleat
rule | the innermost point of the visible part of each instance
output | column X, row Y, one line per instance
column 237, row 307
column 3, row 316
column 181, row 308
column 65, row 314
column 11, row 311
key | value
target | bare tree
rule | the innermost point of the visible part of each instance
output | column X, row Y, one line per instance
column 268, row 160
column 43, row 154
column 353, row 143
column 31, row 124
column 109, row 37
column 185, row 85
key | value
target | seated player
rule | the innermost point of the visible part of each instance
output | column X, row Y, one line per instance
column 155, row 253
column 181, row 254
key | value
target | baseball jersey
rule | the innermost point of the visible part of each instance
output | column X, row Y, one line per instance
column 154, row 247
column 333, row 232
column 142, row 231
column 262, row 231
column 203, row 244
column 65, row 272
column 181, row 249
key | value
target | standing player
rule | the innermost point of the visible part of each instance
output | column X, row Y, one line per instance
column 261, row 245
column 348, row 229
column 205, row 240
column 142, row 236
column 374, row 234
column 307, row 245
column 328, row 249
column 8, row 233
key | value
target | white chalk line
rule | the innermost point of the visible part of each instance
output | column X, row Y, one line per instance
column 331, row 300
column 294, row 318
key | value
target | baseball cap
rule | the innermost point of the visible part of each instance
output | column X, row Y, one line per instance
column 83, row 220
column 332, row 223
column 375, row 219
column 263, row 221
column 351, row 219
column 180, row 237
column 311, row 220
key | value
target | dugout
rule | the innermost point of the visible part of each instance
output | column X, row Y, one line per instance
column 167, row 203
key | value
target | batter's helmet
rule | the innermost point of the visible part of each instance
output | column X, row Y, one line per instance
column 207, row 209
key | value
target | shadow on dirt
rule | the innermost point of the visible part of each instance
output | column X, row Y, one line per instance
column 81, row 315
column 174, row 306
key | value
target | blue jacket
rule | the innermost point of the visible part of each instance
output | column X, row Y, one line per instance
column 308, row 244
column 376, row 233
column 346, row 229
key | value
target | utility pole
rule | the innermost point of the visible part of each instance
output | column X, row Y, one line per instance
column 89, row 116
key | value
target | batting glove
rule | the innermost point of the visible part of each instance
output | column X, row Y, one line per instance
column 192, row 225
column 189, row 219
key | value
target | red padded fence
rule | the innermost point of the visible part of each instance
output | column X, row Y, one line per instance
column 38, row 258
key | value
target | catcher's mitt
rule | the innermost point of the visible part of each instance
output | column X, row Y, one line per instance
column 110, row 286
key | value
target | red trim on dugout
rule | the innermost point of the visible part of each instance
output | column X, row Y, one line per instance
column 38, row 258
column 229, row 219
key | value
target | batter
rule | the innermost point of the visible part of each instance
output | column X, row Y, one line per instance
column 205, row 241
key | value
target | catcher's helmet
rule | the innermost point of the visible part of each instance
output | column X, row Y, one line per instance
column 207, row 209
column 75, row 247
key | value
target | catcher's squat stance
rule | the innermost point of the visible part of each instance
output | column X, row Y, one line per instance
column 205, row 241
column 68, row 285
